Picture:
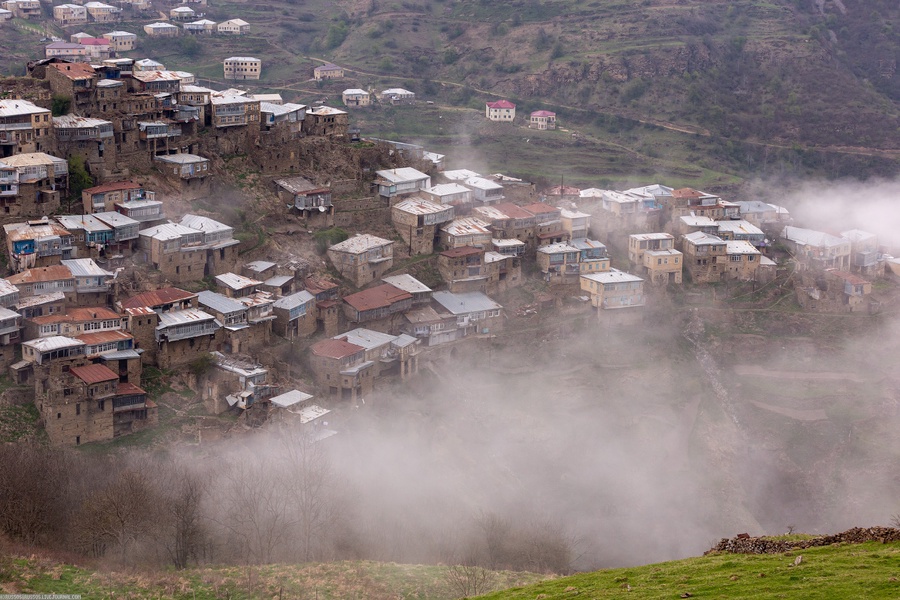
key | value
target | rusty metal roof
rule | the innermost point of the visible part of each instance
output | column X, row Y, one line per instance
column 168, row 295
column 335, row 349
column 376, row 297
column 91, row 374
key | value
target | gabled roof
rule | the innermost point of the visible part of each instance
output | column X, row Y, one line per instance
column 75, row 70
column 367, row 338
column 407, row 283
column 698, row 238
column 501, row 104
column 220, row 303
column 294, row 300
column 810, row 237
column 85, row 267
column 543, row 113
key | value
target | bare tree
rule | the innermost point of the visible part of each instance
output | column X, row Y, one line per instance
column 183, row 528
column 33, row 492
column 310, row 486
column 257, row 512
column 120, row 514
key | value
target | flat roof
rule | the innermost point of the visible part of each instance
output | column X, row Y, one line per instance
column 740, row 247
column 367, row 338
column 652, row 236
column 290, row 398
column 91, row 374
column 181, row 159
column 448, row 189
column 160, row 297
column 116, row 219
column 401, row 175
column 85, row 222
column 180, row 317
column 236, row 282
column 466, row 226
column 612, row 276
column 420, row 206
column 460, row 304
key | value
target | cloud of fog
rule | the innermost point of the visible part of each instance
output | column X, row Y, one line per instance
column 836, row 206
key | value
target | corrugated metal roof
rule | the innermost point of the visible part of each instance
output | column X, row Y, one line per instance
column 167, row 231
column 180, row 317
column 539, row 208
column 52, row 297
column 506, row 242
column 294, row 300
column 204, row 224
column 557, row 248
column 483, row 184
column 420, row 206
column 91, row 374
column 739, row 227
column 79, row 315
column 129, row 389
column 181, row 159
column 810, row 237
column 651, row 236
column 99, row 337
column 76, row 122
column 53, row 342
column 160, row 297
column 85, row 267
column 31, row 159
column 278, row 280
column 448, row 189
column 120, row 355
column 219, row 303
column 466, row 226
column 85, row 222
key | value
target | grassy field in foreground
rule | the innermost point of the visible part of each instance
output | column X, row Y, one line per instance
column 323, row 581
column 870, row 570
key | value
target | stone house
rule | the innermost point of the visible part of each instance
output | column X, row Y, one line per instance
column 464, row 269
column 183, row 335
column 560, row 263
column 24, row 127
column 325, row 121
column 417, row 222
column 484, row 191
column 376, row 303
column 102, row 13
column 45, row 280
column 466, row 231
column 103, row 198
column 362, row 258
column 10, row 336
column 397, row 96
column 705, row 257
column 42, row 180
column 391, row 354
column 454, row 194
column 503, row 272
column 741, row 230
column 295, row 315
column 507, row 221
column 74, row 322
column 548, row 227
column 340, row 368
column 475, row 312
column 743, row 260
column 864, row 255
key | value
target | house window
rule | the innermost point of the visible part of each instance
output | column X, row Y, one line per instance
column 78, row 408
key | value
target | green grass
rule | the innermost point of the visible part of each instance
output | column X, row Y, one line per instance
column 327, row 581
column 869, row 570
column 18, row 422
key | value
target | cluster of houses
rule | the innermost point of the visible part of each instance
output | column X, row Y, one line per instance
column 504, row 111
column 395, row 96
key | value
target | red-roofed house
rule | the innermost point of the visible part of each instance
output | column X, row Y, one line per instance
column 88, row 403
column 341, row 369
column 543, row 119
column 376, row 303
column 502, row 110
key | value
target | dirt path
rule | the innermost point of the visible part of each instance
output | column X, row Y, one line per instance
column 816, row 414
